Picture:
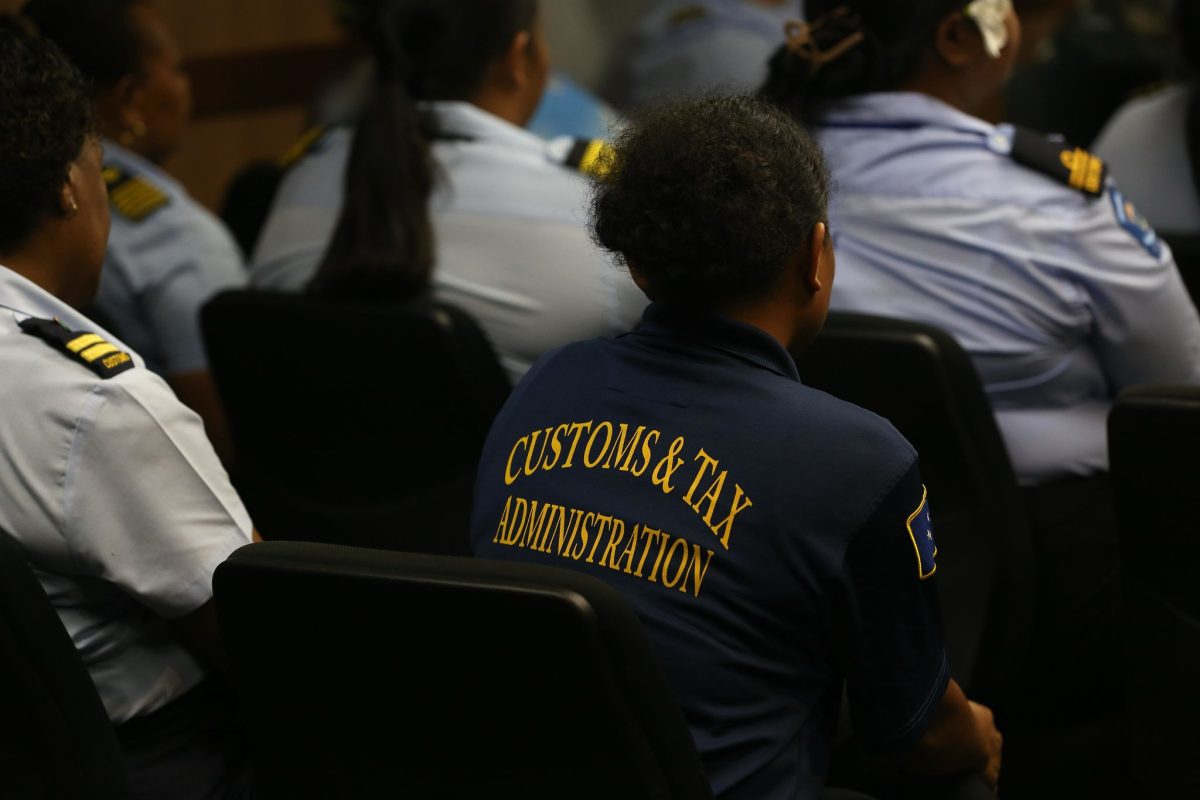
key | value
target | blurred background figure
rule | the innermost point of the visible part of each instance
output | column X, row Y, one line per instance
column 440, row 170
column 1083, row 59
column 167, row 254
column 683, row 48
column 1153, row 142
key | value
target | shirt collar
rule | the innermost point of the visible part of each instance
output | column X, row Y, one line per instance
column 134, row 164
column 469, row 121
column 901, row 110
column 745, row 342
column 24, row 298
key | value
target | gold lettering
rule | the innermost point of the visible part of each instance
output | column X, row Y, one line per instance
column 561, row 528
column 509, row 476
column 515, row 528
column 727, row 523
column 696, row 571
column 623, row 450
column 578, row 428
column 710, row 463
column 531, row 464
column 651, row 536
column 630, row 550
column 577, row 517
column 670, row 583
column 712, row 495
column 592, row 553
column 647, row 454
column 665, row 469
column 502, row 529
column 588, row 461
column 534, row 532
column 555, row 447
column 614, row 539
column 663, row 541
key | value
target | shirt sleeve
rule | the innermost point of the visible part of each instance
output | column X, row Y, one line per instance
column 147, row 505
column 203, row 261
column 894, row 658
column 1145, row 328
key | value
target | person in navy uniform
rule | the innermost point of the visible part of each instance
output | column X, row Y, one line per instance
column 167, row 254
column 107, row 481
column 775, row 541
column 1023, row 248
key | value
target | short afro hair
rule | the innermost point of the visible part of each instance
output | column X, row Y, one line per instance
column 99, row 36
column 707, row 199
column 45, row 122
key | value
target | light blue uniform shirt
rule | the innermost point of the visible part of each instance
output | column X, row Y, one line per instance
column 1060, row 300
column 117, row 499
column 683, row 48
column 513, row 248
column 567, row 109
column 161, row 269
column 1146, row 144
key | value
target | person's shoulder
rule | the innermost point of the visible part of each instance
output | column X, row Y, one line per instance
column 850, row 437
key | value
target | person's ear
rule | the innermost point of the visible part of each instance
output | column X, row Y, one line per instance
column 126, row 98
column 516, row 63
column 820, row 249
column 68, row 199
column 640, row 280
column 957, row 40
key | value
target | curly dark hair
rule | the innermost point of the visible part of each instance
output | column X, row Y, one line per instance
column 45, row 123
column 99, row 36
column 706, row 199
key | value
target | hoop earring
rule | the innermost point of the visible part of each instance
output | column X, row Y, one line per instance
column 71, row 211
column 135, row 131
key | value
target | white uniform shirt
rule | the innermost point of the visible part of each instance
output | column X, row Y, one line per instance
column 683, row 48
column 1146, row 144
column 1059, row 300
column 117, row 500
column 161, row 269
column 513, row 248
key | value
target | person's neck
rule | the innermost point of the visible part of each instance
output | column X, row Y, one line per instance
column 508, row 106
column 947, row 89
column 40, row 261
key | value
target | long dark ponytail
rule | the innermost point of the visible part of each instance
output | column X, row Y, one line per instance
column 851, row 47
column 383, row 245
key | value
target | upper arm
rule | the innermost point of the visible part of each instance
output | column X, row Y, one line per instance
column 147, row 505
column 892, row 649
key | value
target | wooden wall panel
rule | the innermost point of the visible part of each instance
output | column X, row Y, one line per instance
column 223, row 27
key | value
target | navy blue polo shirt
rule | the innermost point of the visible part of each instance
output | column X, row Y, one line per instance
column 774, row 540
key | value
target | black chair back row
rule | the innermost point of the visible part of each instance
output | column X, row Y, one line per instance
column 364, row 419
column 384, row 674
column 920, row 379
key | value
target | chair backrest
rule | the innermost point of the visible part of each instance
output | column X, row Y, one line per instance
column 1186, row 249
column 247, row 202
column 919, row 378
column 360, row 420
column 1153, row 442
column 56, row 740
column 367, row 673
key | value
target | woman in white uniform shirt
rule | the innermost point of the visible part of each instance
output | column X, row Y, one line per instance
column 440, row 170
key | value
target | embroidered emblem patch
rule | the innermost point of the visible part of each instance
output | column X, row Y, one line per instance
column 920, row 530
column 1136, row 224
column 95, row 353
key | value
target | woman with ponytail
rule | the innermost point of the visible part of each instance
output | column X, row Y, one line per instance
column 1020, row 246
column 439, row 187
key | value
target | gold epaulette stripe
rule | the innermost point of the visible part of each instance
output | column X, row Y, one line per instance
column 136, row 198
column 590, row 163
column 83, row 342
column 300, row 147
column 97, row 351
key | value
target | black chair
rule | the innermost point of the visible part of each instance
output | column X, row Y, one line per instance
column 357, row 422
column 247, row 202
column 56, row 740
column 384, row 674
column 919, row 378
column 1186, row 248
column 1153, row 440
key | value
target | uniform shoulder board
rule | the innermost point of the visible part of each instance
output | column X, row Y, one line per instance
column 301, row 147
column 1073, row 166
column 687, row 14
column 590, row 156
column 95, row 353
column 134, row 197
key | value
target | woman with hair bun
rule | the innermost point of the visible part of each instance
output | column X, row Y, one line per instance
column 1023, row 248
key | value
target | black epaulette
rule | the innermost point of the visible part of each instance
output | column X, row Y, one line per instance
column 1073, row 166
column 95, row 353
column 592, row 157
column 134, row 197
column 301, row 147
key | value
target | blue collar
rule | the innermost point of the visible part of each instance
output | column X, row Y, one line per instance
column 740, row 340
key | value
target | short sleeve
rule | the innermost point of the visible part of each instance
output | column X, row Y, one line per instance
column 894, row 658
column 203, row 261
column 147, row 505
column 1146, row 329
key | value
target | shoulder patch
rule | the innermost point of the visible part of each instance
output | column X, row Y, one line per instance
column 920, row 531
column 590, row 156
column 1072, row 166
column 1137, row 225
column 134, row 197
column 298, row 149
column 95, row 353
